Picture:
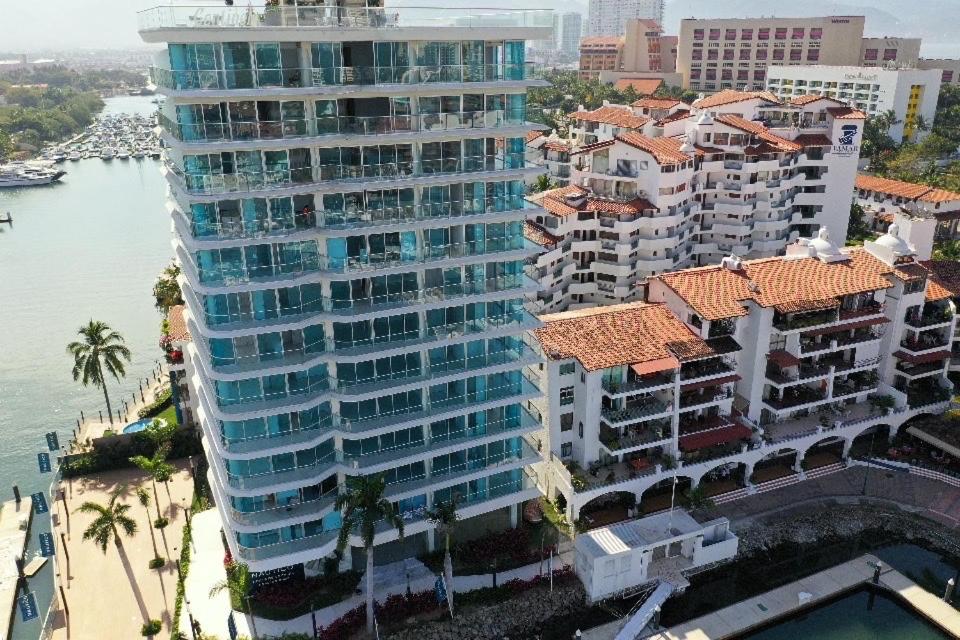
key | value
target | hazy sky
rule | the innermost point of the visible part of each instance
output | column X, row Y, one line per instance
column 31, row 25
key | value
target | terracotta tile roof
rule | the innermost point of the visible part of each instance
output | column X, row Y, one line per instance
column 664, row 150
column 556, row 145
column 643, row 86
column 176, row 325
column 795, row 306
column 944, row 280
column 886, row 218
column 717, row 292
column 616, row 116
column 593, row 146
column 846, row 113
column 729, row 96
column 601, row 205
column 609, row 336
column 656, row 103
column 533, row 135
column 600, row 41
column 909, row 190
column 809, row 98
column 813, row 140
column 679, row 114
column 535, row 233
column 757, row 129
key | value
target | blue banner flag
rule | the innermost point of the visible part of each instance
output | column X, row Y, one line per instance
column 43, row 459
column 28, row 606
column 39, row 502
column 53, row 443
column 46, row 545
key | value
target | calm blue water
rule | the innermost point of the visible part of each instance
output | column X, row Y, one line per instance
column 89, row 247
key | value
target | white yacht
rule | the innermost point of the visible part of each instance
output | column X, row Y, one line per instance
column 25, row 175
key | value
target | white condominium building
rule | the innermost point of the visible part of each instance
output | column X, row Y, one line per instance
column 609, row 17
column 741, row 173
column 736, row 376
column 346, row 186
column 910, row 93
column 571, row 30
column 887, row 201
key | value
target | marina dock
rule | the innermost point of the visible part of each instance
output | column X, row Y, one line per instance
column 15, row 521
column 777, row 604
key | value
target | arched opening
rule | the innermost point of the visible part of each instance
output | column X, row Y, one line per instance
column 608, row 508
column 779, row 464
column 823, row 453
column 928, row 440
column 871, row 442
column 723, row 478
column 659, row 496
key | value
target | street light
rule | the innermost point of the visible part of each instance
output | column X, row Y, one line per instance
column 193, row 624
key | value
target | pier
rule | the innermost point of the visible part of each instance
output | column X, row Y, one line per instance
column 15, row 520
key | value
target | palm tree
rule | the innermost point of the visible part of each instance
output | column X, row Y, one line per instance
column 237, row 583
column 542, row 183
column 143, row 496
column 101, row 347
column 363, row 506
column 444, row 515
column 159, row 469
column 109, row 521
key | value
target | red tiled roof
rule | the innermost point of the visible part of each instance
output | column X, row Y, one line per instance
column 944, row 280
column 609, row 336
column 637, row 205
column 923, row 358
column 783, row 358
column 909, row 190
column 555, row 145
column 594, row 41
column 643, row 86
column 757, row 129
column 616, row 116
column 813, row 140
column 679, row 114
column 664, row 150
column 718, row 292
column 846, row 113
column 535, row 233
column 593, row 146
column 176, row 325
column 729, row 96
column 809, row 98
column 533, row 135
column 656, row 103
column 714, row 437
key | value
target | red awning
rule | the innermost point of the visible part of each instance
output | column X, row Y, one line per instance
column 922, row 359
column 783, row 358
column 709, row 383
column 655, row 366
column 713, row 437
column 859, row 324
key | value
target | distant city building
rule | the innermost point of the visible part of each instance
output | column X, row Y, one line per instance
column 950, row 69
column 642, row 52
column 910, row 93
column 609, row 17
column 889, row 52
column 571, row 28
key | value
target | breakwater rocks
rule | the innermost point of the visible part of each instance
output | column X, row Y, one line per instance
column 521, row 616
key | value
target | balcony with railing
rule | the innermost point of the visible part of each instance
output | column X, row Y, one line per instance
column 634, row 412
column 637, row 384
column 792, row 321
column 932, row 315
column 795, row 396
column 707, row 367
column 618, row 441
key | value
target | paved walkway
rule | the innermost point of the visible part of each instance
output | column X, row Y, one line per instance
column 207, row 569
column 115, row 591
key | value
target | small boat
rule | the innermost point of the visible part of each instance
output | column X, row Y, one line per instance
column 138, row 154
column 73, row 156
column 28, row 175
column 106, row 155
column 123, row 155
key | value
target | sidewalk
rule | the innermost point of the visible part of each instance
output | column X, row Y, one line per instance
column 207, row 569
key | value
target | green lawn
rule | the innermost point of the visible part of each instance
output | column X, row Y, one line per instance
column 169, row 414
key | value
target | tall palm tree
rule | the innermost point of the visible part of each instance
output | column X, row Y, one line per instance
column 237, row 583
column 363, row 506
column 143, row 497
column 109, row 521
column 444, row 515
column 159, row 469
column 100, row 347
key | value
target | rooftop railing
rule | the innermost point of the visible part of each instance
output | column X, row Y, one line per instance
column 330, row 16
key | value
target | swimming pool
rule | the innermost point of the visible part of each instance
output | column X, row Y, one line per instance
column 139, row 425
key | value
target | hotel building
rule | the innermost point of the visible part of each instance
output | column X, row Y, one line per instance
column 908, row 204
column 610, row 17
column 346, row 187
column 910, row 93
column 741, row 377
column 660, row 186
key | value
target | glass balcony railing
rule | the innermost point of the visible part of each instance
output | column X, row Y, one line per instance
column 205, row 184
column 311, row 13
column 340, row 125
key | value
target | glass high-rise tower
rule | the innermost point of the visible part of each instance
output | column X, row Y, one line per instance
column 346, row 185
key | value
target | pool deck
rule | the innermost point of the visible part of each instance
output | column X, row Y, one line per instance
column 755, row 612
column 93, row 428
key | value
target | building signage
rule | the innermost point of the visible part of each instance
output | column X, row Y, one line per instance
column 867, row 77
column 846, row 144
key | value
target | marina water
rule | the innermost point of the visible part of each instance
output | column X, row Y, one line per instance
column 88, row 247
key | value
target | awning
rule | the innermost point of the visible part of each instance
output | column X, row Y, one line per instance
column 859, row 324
column 783, row 358
column 713, row 437
column 922, row 359
column 655, row 366
column 709, row 383
column 935, row 441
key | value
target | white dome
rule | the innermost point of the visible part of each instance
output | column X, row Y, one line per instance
column 822, row 246
column 892, row 240
column 705, row 118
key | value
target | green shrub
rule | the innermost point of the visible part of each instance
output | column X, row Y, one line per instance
column 161, row 522
column 157, row 562
column 163, row 400
column 151, row 628
column 115, row 453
